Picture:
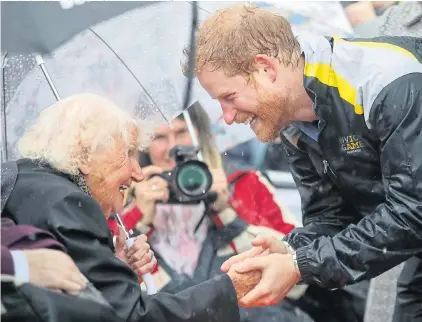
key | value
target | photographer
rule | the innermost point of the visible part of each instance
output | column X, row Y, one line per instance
column 189, row 253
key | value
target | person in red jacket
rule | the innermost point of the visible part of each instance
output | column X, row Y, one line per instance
column 245, row 207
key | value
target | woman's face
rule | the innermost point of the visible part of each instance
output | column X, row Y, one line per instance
column 109, row 172
column 165, row 139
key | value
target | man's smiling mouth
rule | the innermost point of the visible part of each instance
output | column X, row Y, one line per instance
column 250, row 120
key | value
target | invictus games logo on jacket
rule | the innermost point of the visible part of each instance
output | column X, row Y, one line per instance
column 351, row 144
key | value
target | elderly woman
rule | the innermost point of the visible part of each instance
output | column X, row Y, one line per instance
column 79, row 155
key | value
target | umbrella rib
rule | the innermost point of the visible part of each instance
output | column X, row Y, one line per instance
column 134, row 76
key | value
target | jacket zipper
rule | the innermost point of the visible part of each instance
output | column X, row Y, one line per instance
column 333, row 176
column 325, row 162
column 327, row 170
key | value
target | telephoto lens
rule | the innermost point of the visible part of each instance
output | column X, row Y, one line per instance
column 190, row 180
column 193, row 179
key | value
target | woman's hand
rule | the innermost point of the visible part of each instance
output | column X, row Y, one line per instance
column 139, row 256
column 220, row 186
column 149, row 191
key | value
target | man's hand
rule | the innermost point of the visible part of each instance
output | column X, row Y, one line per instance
column 139, row 257
column 263, row 245
column 55, row 270
column 279, row 276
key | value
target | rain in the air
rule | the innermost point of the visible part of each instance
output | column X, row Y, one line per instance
column 211, row 161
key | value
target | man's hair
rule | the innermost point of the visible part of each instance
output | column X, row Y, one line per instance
column 73, row 129
column 232, row 37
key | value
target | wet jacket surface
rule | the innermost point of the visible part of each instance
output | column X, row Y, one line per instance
column 49, row 200
column 359, row 172
column 26, row 302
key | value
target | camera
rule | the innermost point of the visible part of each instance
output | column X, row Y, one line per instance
column 190, row 180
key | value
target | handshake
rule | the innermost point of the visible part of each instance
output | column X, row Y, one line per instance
column 263, row 275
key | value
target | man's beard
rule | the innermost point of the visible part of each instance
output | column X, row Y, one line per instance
column 273, row 113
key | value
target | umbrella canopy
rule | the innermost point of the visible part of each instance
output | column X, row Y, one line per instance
column 41, row 27
column 133, row 59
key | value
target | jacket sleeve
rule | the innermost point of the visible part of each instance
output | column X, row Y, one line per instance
column 78, row 222
column 26, row 302
column 392, row 233
column 7, row 267
column 324, row 211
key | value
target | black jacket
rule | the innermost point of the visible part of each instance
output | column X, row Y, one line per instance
column 30, row 303
column 48, row 200
column 360, row 179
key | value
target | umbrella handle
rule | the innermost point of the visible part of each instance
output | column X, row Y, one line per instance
column 149, row 282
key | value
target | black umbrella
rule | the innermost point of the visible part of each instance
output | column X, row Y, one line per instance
column 40, row 27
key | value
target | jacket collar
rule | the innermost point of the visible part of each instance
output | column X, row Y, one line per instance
column 80, row 181
column 317, row 72
column 317, row 51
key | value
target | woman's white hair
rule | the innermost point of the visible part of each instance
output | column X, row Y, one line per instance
column 73, row 129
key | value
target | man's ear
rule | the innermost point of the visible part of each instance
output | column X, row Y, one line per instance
column 266, row 66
